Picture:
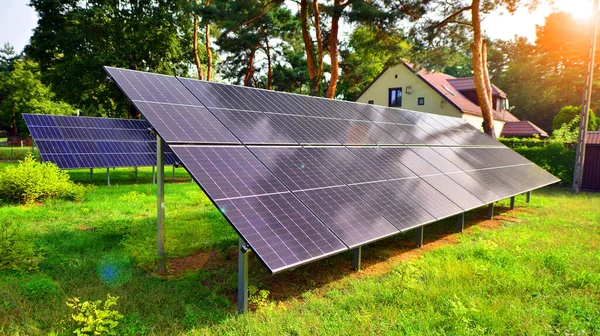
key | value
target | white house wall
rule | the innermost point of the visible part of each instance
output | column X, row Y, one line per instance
column 400, row 76
column 478, row 121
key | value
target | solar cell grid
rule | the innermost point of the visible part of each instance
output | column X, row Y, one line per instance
column 444, row 139
column 434, row 202
column 403, row 134
column 347, row 215
column 482, row 191
column 145, row 86
column 226, row 172
column 186, row 124
column 453, row 191
column 436, row 160
column 398, row 208
column 52, row 146
column 45, row 132
column 493, row 181
column 61, row 160
column 307, row 130
column 253, row 127
column 385, row 160
column 280, row 229
column 296, row 168
column 345, row 165
column 416, row 164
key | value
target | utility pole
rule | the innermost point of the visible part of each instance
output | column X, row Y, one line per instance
column 585, row 107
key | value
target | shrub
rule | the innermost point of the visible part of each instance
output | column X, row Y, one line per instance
column 16, row 252
column 95, row 317
column 31, row 181
column 568, row 113
column 40, row 288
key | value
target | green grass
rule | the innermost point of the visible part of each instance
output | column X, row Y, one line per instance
column 16, row 153
column 3, row 139
column 538, row 273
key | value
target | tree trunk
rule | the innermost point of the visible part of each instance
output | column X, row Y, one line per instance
column 269, row 66
column 320, row 53
column 208, row 51
column 479, row 73
column 308, row 47
column 333, row 49
column 250, row 69
column 208, row 54
column 195, row 45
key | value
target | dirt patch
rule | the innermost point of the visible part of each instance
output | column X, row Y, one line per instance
column 378, row 258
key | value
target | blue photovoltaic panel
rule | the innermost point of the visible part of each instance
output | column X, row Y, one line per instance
column 352, row 219
column 422, row 193
column 395, row 205
column 280, row 230
column 228, row 172
column 253, row 127
column 296, row 168
column 94, row 142
column 301, row 178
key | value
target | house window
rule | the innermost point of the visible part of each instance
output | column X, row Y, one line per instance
column 395, row 97
column 371, row 102
column 421, row 101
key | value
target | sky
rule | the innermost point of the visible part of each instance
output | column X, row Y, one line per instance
column 17, row 20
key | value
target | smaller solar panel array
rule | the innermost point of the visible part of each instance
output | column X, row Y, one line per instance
column 88, row 142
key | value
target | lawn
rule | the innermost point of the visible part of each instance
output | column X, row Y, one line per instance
column 531, row 271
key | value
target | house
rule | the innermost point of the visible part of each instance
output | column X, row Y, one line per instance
column 522, row 129
column 434, row 92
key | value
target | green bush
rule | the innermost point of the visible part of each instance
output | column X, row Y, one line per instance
column 40, row 288
column 568, row 113
column 32, row 181
column 16, row 252
column 95, row 317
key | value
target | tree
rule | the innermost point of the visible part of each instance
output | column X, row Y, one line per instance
column 376, row 13
column 568, row 113
column 368, row 51
column 252, row 32
column 74, row 39
column 21, row 91
column 452, row 14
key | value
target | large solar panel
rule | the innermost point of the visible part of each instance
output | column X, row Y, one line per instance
column 301, row 178
column 88, row 142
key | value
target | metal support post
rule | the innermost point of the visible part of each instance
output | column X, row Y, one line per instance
column 419, row 237
column 153, row 176
column 173, row 177
column 242, row 277
column 491, row 211
column 135, row 173
column 528, row 197
column 91, row 175
column 512, row 203
column 356, row 256
column 108, row 176
column 160, row 202
column 461, row 222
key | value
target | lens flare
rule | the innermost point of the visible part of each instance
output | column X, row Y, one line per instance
column 114, row 269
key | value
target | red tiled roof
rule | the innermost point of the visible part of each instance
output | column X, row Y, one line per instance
column 522, row 129
column 441, row 83
column 593, row 138
column 468, row 84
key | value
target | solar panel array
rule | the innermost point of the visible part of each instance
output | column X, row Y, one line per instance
column 88, row 142
column 301, row 178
